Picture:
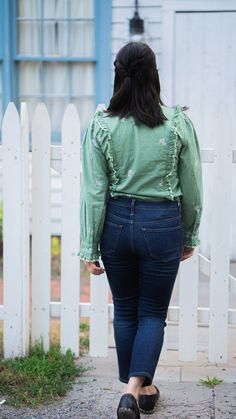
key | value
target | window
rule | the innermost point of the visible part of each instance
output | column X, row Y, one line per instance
column 59, row 56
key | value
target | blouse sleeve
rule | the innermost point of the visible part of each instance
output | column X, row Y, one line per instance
column 190, row 176
column 94, row 191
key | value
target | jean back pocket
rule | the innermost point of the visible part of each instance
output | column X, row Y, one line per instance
column 164, row 243
column 110, row 236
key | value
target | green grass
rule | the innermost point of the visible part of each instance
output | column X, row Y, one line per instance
column 55, row 335
column 1, row 339
column 210, row 381
column 39, row 378
column 84, row 338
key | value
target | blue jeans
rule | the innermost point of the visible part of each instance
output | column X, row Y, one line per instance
column 141, row 246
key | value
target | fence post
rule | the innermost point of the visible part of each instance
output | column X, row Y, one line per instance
column 164, row 349
column 14, row 249
column 70, row 262
column 98, row 344
column 41, row 235
column 220, row 245
column 188, row 303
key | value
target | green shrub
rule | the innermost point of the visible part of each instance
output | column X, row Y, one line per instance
column 55, row 245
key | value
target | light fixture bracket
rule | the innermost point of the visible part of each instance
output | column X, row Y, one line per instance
column 136, row 24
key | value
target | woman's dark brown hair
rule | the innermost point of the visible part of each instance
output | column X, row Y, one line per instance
column 137, row 86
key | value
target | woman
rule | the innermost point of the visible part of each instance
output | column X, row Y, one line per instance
column 141, row 204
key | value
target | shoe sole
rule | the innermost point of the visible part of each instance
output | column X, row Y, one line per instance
column 125, row 413
column 147, row 412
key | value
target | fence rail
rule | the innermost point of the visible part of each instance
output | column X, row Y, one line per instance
column 65, row 160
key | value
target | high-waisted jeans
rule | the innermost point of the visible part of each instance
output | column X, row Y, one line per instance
column 141, row 246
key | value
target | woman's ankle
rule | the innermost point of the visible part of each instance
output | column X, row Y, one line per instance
column 148, row 390
column 135, row 393
column 134, row 386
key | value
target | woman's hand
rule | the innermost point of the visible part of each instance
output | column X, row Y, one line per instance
column 94, row 267
column 187, row 253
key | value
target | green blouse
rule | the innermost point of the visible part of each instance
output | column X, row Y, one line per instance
column 120, row 158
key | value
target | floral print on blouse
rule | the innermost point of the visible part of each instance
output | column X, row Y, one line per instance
column 120, row 158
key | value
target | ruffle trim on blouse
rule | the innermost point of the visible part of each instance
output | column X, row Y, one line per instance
column 173, row 149
column 89, row 255
column 193, row 242
column 104, row 133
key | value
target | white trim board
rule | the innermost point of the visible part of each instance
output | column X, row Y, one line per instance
column 200, row 5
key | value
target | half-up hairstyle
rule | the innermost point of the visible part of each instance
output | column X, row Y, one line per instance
column 137, row 86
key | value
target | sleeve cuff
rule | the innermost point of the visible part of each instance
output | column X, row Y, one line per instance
column 191, row 242
column 89, row 255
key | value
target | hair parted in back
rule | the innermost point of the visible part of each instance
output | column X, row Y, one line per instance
column 137, row 86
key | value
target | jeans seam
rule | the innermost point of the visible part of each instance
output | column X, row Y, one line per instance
column 132, row 221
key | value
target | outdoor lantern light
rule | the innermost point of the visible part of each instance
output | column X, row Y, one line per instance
column 136, row 25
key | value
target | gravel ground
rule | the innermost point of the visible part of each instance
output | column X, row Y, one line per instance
column 97, row 393
column 90, row 399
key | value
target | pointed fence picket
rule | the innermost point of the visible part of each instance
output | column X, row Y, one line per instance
column 41, row 235
column 14, row 232
column 70, row 262
column 65, row 160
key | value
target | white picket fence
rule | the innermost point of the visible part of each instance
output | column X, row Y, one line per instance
column 65, row 159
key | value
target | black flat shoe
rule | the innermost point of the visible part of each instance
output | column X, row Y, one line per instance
column 147, row 402
column 128, row 407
